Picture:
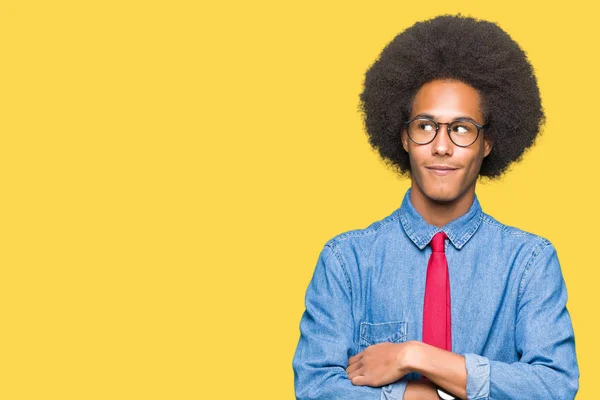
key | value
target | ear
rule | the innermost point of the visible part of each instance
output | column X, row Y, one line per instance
column 487, row 146
column 404, row 138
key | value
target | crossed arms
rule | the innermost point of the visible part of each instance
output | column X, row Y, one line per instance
column 326, row 368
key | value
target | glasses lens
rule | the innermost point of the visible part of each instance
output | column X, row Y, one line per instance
column 463, row 133
column 421, row 130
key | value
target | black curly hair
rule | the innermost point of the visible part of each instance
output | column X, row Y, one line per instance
column 476, row 52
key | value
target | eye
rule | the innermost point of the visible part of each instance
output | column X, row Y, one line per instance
column 426, row 126
column 462, row 127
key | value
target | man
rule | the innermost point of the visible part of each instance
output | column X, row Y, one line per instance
column 440, row 300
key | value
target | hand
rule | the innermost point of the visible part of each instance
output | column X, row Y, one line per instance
column 379, row 364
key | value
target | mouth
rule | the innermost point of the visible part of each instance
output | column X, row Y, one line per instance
column 441, row 170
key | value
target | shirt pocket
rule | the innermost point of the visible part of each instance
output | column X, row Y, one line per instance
column 381, row 332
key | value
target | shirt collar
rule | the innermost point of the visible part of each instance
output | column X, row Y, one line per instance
column 420, row 232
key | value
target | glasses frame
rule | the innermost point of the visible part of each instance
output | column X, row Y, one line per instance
column 437, row 129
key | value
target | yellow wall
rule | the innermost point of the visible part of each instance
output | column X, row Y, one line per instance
column 170, row 171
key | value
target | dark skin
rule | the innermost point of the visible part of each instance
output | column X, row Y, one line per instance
column 440, row 196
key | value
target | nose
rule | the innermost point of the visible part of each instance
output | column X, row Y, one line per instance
column 442, row 145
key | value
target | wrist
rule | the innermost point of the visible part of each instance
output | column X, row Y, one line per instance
column 409, row 358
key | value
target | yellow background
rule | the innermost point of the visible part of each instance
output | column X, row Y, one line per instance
column 170, row 171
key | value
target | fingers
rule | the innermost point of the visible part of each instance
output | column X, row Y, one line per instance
column 354, row 364
column 352, row 368
column 355, row 358
column 356, row 374
column 359, row 380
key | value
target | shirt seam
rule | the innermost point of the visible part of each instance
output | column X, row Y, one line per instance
column 506, row 229
column 338, row 257
column 370, row 230
column 536, row 251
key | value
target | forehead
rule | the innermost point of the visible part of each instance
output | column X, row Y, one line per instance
column 447, row 99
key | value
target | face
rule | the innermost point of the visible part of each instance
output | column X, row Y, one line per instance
column 440, row 170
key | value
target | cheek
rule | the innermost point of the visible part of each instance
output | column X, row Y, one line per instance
column 475, row 161
column 417, row 154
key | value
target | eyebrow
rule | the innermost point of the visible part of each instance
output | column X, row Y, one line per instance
column 461, row 117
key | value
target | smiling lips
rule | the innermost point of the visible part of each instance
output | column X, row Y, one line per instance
column 441, row 169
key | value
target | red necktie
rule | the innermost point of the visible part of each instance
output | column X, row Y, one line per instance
column 437, row 329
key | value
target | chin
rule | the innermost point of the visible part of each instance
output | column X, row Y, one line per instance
column 441, row 193
column 441, row 196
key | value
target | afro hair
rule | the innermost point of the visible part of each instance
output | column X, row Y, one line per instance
column 476, row 52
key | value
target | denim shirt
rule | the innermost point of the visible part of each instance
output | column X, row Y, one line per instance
column 508, row 307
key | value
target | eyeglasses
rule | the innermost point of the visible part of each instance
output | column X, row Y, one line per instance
column 462, row 132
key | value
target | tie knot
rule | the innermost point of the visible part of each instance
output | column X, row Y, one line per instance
column 437, row 242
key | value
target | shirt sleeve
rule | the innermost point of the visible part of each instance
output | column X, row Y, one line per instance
column 544, row 338
column 326, row 339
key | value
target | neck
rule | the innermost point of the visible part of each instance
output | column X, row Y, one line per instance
column 440, row 213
